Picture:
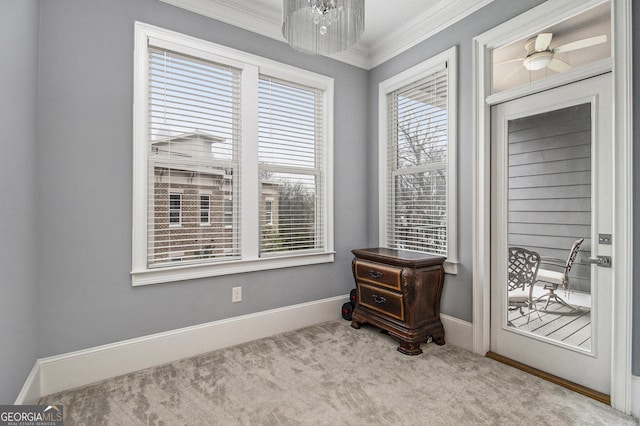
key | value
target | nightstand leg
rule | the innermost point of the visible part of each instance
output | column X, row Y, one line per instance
column 438, row 336
column 409, row 348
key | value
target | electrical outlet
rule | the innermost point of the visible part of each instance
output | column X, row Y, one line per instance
column 236, row 294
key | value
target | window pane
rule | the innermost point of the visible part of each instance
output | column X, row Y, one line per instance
column 288, row 124
column 268, row 212
column 420, row 213
column 421, row 127
column 204, row 208
column 175, row 206
column 192, row 147
column 228, row 212
column 295, row 223
column 519, row 63
column 417, row 197
column 290, row 155
column 195, row 100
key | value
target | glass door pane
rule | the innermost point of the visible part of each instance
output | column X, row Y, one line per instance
column 549, row 216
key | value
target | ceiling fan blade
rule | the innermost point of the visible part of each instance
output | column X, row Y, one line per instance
column 512, row 74
column 510, row 61
column 543, row 40
column 559, row 65
column 581, row 44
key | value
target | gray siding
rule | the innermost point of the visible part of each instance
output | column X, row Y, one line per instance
column 550, row 185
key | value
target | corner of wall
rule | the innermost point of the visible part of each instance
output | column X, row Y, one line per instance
column 635, row 396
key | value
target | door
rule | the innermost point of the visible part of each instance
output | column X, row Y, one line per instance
column 551, row 187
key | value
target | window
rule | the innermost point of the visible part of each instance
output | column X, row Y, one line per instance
column 230, row 161
column 228, row 212
column 205, row 213
column 290, row 163
column 268, row 212
column 417, row 159
column 175, row 208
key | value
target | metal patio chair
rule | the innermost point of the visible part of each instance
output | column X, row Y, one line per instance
column 552, row 280
column 522, row 270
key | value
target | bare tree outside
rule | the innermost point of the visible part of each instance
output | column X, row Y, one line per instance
column 419, row 130
column 295, row 225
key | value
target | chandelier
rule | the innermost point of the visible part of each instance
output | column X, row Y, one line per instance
column 322, row 27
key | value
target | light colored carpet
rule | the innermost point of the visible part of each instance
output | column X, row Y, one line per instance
column 331, row 374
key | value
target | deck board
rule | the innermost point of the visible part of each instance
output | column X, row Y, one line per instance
column 581, row 338
column 571, row 329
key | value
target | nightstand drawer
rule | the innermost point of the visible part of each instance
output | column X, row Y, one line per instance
column 381, row 300
column 382, row 275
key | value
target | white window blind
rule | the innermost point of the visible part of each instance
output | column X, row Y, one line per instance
column 418, row 120
column 290, row 152
column 193, row 139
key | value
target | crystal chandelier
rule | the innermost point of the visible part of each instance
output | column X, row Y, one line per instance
column 322, row 27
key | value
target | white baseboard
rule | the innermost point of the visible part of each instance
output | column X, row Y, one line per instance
column 75, row 369
column 457, row 332
column 635, row 396
column 30, row 392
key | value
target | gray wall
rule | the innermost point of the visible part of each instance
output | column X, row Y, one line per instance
column 457, row 293
column 18, row 90
column 84, row 171
column 636, row 189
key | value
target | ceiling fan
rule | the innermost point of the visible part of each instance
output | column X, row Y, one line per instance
column 540, row 56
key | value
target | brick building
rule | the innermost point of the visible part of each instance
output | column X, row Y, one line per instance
column 195, row 200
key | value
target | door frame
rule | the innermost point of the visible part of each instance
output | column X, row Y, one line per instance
column 517, row 28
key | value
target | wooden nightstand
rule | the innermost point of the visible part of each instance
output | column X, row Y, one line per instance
column 399, row 291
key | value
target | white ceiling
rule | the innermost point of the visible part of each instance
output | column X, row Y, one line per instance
column 390, row 27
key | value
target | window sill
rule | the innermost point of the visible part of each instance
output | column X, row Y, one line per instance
column 451, row 267
column 188, row 272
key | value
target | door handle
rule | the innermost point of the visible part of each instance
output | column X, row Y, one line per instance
column 604, row 261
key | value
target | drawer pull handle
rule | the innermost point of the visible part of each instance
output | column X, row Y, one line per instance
column 378, row 299
column 376, row 274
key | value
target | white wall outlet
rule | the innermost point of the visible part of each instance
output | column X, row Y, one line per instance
column 236, row 294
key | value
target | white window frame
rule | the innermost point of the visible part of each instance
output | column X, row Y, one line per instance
column 447, row 58
column 252, row 66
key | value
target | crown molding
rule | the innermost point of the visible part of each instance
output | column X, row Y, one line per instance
column 356, row 56
column 249, row 15
column 421, row 28
column 258, row 18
